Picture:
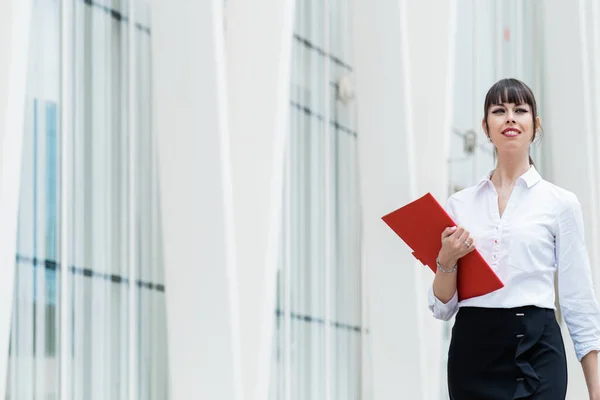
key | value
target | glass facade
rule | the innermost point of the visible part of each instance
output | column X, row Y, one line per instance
column 494, row 40
column 89, row 199
column 319, row 329
column 89, row 196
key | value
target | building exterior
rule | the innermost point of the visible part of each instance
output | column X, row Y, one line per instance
column 191, row 192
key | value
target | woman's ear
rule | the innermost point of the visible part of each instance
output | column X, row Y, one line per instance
column 538, row 124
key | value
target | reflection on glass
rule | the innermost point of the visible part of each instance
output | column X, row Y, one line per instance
column 319, row 330
column 99, row 211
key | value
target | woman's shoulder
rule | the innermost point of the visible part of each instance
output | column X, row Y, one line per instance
column 563, row 197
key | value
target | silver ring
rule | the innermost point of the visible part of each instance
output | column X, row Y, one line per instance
column 467, row 243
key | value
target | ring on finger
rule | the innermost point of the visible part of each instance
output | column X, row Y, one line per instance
column 467, row 243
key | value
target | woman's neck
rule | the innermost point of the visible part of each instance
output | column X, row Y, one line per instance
column 508, row 170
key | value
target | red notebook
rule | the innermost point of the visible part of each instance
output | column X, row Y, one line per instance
column 420, row 224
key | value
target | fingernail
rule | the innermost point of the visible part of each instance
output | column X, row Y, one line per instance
column 453, row 228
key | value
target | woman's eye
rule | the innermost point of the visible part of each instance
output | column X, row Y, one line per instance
column 521, row 110
column 498, row 111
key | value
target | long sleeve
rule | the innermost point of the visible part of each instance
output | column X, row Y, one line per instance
column 440, row 310
column 575, row 286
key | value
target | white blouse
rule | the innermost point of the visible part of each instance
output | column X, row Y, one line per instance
column 540, row 232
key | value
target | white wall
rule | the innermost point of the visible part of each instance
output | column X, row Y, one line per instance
column 259, row 40
column 402, row 94
column 15, row 19
column 190, row 120
column 404, row 126
column 431, row 43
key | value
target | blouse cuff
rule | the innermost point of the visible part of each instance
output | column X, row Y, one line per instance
column 583, row 351
column 443, row 311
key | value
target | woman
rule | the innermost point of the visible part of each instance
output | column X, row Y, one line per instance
column 507, row 344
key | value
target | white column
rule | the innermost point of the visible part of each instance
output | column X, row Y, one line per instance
column 431, row 76
column 431, row 69
column 15, row 20
column 259, row 39
column 571, row 129
column 387, row 161
column 190, row 120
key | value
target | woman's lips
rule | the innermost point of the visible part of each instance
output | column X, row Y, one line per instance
column 510, row 132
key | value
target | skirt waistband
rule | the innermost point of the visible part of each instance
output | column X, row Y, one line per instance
column 504, row 311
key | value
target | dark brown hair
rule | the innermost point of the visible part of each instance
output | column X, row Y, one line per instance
column 511, row 91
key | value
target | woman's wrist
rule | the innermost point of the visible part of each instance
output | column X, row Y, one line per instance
column 446, row 263
column 446, row 270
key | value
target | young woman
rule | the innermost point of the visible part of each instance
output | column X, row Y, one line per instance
column 507, row 344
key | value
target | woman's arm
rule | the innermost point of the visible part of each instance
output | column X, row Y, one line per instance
column 444, row 283
column 453, row 248
column 589, row 363
column 577, row 298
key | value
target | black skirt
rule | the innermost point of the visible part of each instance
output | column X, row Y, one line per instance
column 506, row 353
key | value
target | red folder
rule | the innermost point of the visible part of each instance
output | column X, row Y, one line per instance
column 420, row 224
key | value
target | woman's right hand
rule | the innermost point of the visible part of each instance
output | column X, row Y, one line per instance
column 454, row 246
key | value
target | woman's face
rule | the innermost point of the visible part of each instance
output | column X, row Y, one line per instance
column 510, row 127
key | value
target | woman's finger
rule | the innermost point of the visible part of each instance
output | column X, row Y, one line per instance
column 448, row 231
column 464, row 236
column 458, row 232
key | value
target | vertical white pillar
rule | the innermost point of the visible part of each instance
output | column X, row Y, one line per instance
column 387, row 162
column 431, row 75
column 259, row 40
column 189, row 98
column 15, row 24
column 431, row 49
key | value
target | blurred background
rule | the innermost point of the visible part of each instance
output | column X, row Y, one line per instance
column 191, row 191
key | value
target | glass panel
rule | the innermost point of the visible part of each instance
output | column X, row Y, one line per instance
column 33, row 371
column 494, row 40
column 317, row 345
column 102, row 214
